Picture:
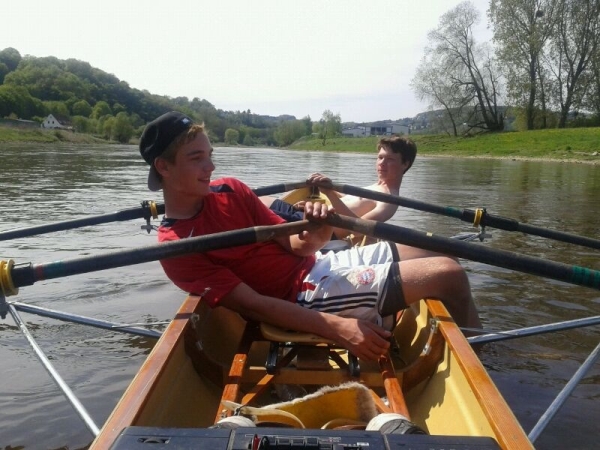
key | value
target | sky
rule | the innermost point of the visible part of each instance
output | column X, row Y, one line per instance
column 354, row 58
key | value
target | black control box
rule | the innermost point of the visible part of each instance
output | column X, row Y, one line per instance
column 148, row 438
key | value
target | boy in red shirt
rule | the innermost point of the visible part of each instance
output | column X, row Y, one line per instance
column 349, row 297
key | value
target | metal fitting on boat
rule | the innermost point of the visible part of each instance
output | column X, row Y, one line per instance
column 7, row 286
column 392, row 423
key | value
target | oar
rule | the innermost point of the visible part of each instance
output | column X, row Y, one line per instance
column 474, row 252
column 12, row 276
column 147, row 210
column 476, row 217
column 277, row 188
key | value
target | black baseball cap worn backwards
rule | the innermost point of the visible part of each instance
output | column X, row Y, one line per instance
column 157, row 136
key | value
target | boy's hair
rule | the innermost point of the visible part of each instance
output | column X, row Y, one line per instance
column 182, row 139
column 402, row 145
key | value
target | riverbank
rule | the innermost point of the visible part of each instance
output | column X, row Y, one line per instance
column 41, row 135
column 571, row 144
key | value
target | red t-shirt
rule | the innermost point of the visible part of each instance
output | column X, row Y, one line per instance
column 266, row 267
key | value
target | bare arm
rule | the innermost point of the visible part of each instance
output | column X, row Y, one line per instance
column 362, row 208
column 363, row 339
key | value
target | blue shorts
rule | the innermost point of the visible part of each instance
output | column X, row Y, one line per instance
column 286, row 211
column 361, row 282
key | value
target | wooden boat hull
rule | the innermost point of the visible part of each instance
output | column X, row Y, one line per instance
column 445, row 388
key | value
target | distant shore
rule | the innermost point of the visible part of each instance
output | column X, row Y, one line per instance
column 579, row 145
column 10, row 134
column 585, row 159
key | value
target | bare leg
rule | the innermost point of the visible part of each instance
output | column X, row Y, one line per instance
column 407, row 252
column 444, row 278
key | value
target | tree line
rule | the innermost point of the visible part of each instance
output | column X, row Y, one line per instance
column 96, row 102
column 543, row 63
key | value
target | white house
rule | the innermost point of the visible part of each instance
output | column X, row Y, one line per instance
column 52, row 122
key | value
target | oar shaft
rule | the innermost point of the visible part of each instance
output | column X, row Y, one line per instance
column 278, row 188
column 119, row 216
column 26, row 275
column 474, row 252
column 124, row 215
column 466, row 215
column 395, row 200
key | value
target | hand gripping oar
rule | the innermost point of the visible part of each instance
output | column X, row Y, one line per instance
column 474, row 252
column 12, row 276
column 148, row 210
column 476, row 217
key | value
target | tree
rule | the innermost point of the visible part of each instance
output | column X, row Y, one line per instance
column 3, row 71
column 106, row 125
column 289, row 131
column 574, row 45
column 522, row 28
column 460, row 75
column 592, row 98
column 16, row 100
column 100, row 109
column 11, row 57
column 81, row 124
column 121, row 128
column 330, row 126
column 431, row 84
column 231, row 136
column 117, row 108
column 81, row 108
column 307, row 125
column 58, row 109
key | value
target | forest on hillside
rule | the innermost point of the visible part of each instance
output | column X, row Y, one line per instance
column 96, row 102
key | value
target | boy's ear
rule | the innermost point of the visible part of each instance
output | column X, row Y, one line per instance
column 161, row 166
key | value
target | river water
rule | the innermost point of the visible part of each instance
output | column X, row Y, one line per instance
column 44, row 184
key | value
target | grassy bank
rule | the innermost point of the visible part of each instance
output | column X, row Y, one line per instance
column 572, row 144
column 14, row 134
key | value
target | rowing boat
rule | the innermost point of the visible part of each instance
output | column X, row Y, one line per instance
column 208, row 356
column 211, row 363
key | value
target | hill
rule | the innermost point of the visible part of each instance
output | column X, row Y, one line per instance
column 96, row 102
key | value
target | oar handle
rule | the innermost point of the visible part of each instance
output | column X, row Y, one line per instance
column 476, row 217
column 500, row 258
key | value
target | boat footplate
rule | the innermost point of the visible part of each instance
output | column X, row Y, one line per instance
column 311, row 357
column 244, row 438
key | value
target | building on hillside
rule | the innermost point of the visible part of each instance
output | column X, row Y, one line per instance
column 358, row 131
column 53, row 122
column 376, row 129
